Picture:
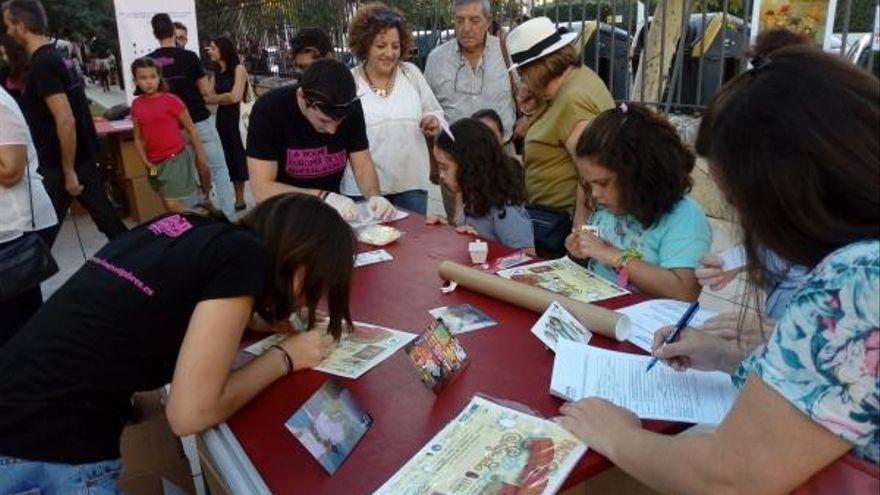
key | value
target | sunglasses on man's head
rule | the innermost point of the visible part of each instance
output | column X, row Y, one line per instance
column 337, row 111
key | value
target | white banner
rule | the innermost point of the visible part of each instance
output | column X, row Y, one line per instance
column 136, row 34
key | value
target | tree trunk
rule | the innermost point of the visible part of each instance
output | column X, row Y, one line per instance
column 660, row 47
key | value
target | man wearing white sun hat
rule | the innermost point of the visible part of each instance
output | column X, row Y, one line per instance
column 569, row 96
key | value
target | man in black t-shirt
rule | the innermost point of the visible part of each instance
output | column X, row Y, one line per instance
column 57, row 113
column 186, row 78
column 301, row 138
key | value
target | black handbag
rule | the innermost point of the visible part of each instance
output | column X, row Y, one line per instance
column 552, row 226
column 27, row 261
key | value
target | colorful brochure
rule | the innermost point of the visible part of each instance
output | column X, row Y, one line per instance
column 462, row 318
column 566, row 278
column 437, row 356
column 359, row 351
column 490, row 448
column 329, row 425
column 557, row 323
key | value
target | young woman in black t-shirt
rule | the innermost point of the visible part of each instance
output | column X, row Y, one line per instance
column 168, row 301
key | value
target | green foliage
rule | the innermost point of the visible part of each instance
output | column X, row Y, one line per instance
column 83, row 20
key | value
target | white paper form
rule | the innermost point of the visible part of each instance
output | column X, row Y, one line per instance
column 650, row 316
column 662, row 393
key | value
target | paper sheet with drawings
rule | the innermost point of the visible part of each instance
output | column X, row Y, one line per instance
column 565, row 277
column 691, row 397
column 649, row 316
column 558, row 323
column 489, row 448
column 355, row 354
column 366, row 218
column 359, row 351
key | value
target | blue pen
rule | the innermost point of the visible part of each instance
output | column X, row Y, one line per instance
column 682, row 322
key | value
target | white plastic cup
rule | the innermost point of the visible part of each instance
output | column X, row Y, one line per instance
column 479, row 251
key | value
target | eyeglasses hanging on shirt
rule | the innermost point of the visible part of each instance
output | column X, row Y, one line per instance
column 462, row 87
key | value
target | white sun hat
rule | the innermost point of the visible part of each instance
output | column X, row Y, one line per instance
column 534, row 39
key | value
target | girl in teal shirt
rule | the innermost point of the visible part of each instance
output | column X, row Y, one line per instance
column 645, row 232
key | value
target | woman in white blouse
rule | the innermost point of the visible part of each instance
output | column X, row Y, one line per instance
column 399, row 108
column 19, row 213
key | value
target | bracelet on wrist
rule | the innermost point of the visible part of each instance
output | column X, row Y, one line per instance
column 629, row 255
column 288, row 361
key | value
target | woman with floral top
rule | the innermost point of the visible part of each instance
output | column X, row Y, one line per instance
column 794, row 145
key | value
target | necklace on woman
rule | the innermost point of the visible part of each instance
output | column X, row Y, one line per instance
column 382, row 92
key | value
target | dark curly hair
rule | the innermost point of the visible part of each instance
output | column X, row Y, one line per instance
column 653, row 166
column 486, row 175
column 370, row 20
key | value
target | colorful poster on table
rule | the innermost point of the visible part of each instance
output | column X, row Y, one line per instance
column 811, row 18
column 136, row 34
column 490, row 448
column 359, row 351
column 566, row 278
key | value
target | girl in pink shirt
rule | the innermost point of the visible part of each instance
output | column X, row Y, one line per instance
column 158, row 117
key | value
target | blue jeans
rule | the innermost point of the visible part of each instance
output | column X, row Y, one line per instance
column 415, row 201
column 23, row 477
column 225, row 194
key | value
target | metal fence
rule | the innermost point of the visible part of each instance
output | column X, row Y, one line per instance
column 675, row 65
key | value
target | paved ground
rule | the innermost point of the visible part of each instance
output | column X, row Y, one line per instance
column 105, row 99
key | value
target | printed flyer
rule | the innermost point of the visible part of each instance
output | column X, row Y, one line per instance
column 490, row 449
column 329, row 425
column 362, row 349
column 437, row 356
column 566, row 278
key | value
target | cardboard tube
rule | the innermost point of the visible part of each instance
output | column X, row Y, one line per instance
column 599, row 320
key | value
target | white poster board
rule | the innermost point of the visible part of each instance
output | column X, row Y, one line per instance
column 136, row 34
column 827, row 7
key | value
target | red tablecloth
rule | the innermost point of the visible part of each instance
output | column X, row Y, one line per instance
column 506, row 362
column 106, row 127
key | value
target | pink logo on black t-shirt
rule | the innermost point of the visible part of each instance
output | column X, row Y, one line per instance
column 314, row 162
column 172, row 226
column 164, row 61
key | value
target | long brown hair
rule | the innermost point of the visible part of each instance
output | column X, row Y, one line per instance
column 793, row 144
column 302, row 232
column 486, row 175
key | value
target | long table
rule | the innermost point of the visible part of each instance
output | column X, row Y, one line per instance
column 506, row 362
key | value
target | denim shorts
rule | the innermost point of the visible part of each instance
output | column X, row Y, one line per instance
column 23, row 477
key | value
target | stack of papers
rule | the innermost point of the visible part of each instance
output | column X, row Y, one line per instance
column 691, row 396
